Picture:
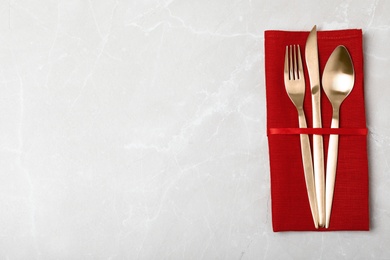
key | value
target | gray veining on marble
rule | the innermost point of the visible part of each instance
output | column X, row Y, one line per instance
column 136, row 129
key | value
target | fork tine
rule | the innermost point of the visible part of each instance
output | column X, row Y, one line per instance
column 300, row 66
column 295, row 62
column 286, row 72
column 291, row 64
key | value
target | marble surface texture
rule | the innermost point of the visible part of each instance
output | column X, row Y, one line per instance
column 136, row 129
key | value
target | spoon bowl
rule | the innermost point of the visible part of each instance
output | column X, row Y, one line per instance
column 337, row 81
column 339, row 76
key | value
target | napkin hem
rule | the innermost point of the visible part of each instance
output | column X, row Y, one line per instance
column 341, row 34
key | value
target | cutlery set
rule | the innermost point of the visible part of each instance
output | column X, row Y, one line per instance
column 337, row 82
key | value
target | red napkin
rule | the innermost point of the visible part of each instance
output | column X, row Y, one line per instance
column 290, row 205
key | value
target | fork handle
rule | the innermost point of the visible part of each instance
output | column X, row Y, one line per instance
column 308, row 168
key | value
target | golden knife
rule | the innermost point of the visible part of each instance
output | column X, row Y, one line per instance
column 312, row 64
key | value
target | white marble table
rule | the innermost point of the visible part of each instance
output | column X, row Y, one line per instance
column 136, row 129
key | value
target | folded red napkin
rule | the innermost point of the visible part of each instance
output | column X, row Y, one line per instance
column 290, row 205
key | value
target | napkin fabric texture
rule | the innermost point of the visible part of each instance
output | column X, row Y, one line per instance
column 290, row 205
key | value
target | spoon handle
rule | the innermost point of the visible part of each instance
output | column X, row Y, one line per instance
column 331, row 166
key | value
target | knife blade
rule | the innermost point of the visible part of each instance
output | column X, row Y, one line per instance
column 312, row 64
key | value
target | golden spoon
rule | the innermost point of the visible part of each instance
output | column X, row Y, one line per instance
column 337, row 81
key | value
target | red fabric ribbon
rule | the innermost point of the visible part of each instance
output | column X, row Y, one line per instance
column 290, row 206
column 317, row 131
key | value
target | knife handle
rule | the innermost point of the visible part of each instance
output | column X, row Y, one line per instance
column 308, row 168
column 318, row 156
column 319, row 177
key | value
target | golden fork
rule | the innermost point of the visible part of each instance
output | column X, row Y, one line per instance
column 294, row 82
